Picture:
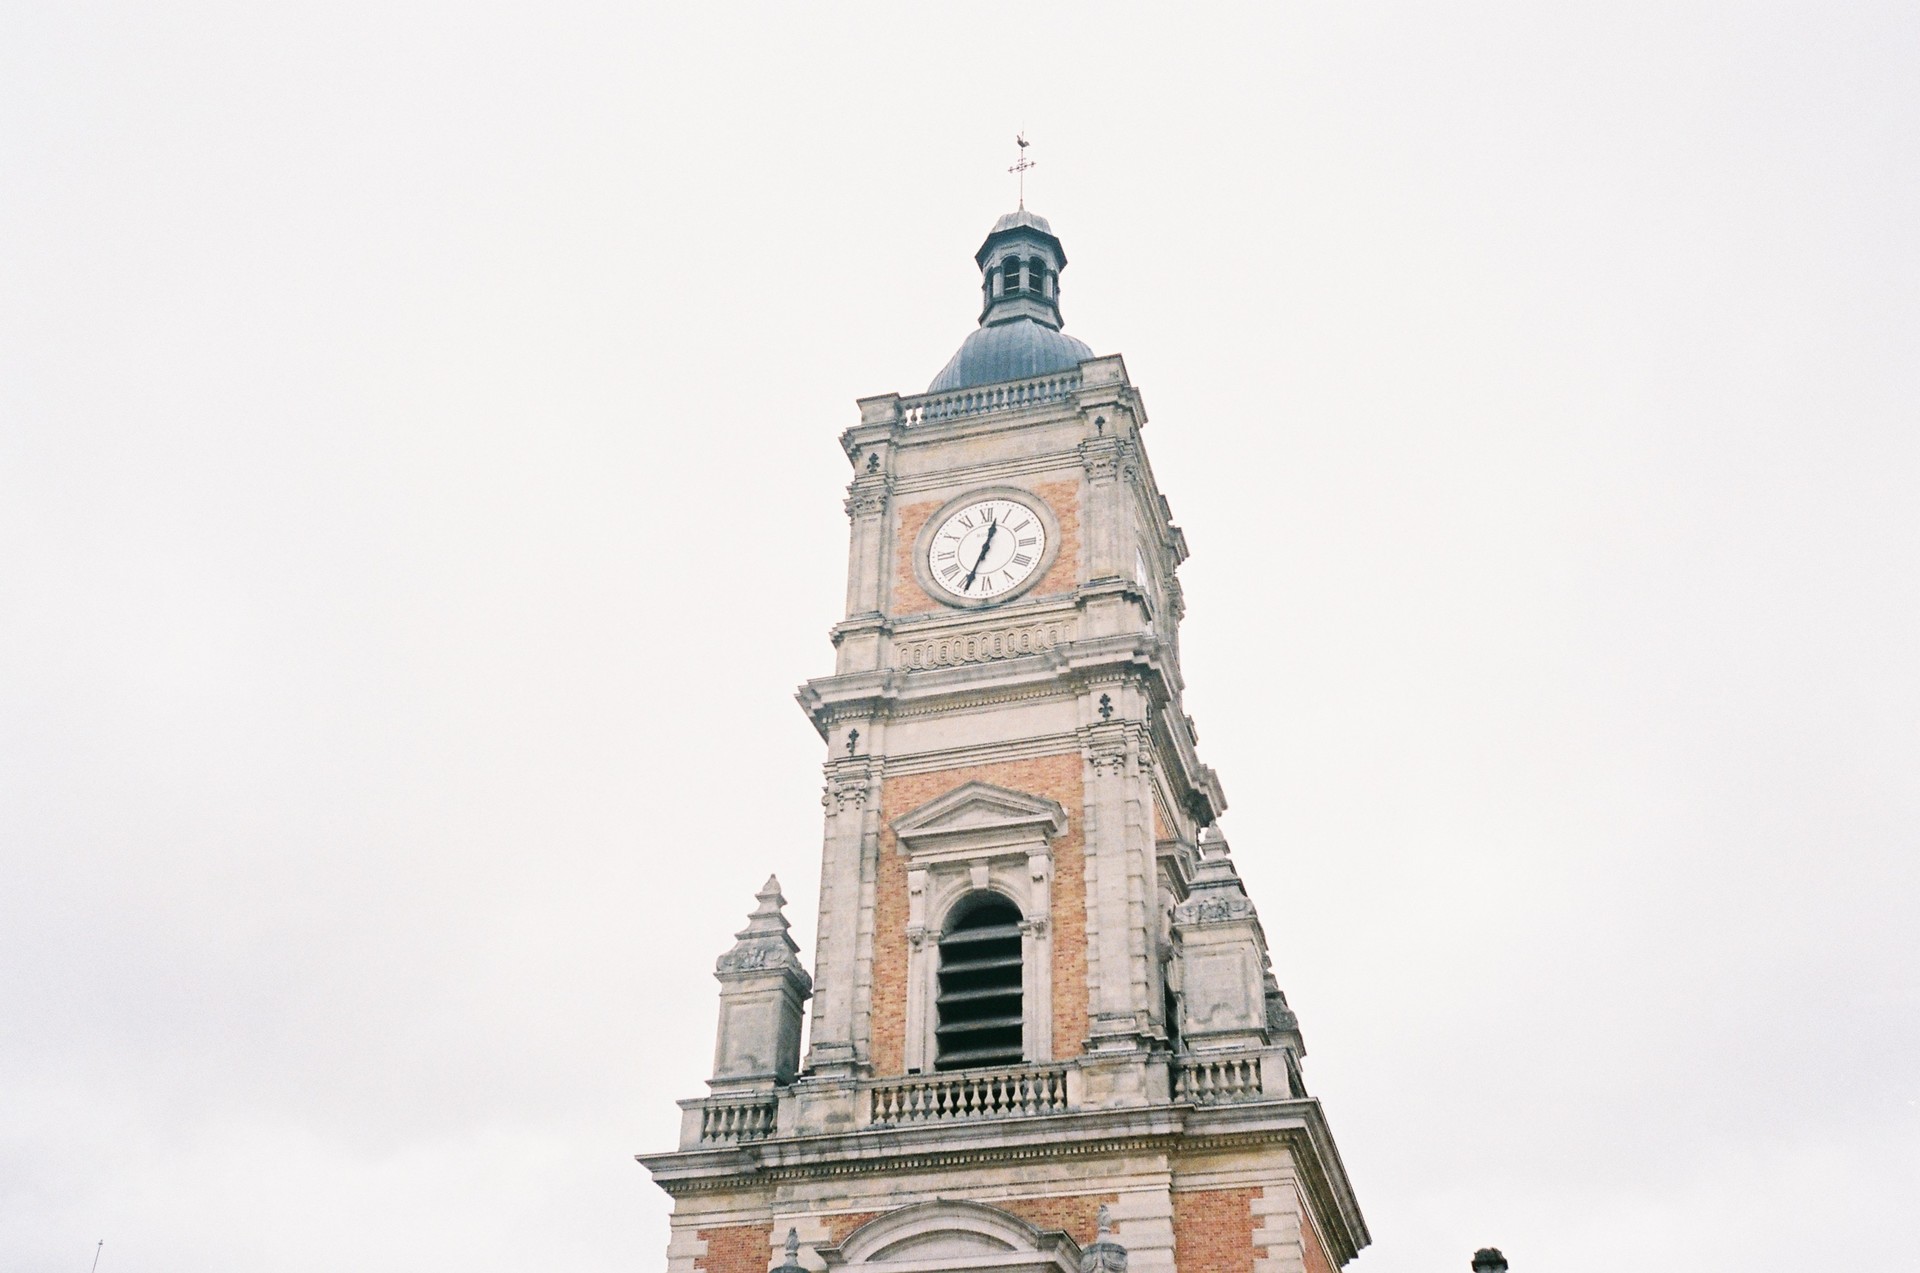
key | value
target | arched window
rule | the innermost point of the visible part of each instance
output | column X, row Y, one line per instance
column 979, row 1003
column 1013, row 275
column 1037, row 276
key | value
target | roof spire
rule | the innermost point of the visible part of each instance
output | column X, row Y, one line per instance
column 1020, row 139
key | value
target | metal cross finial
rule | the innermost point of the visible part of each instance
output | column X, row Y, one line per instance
column 1021, row 167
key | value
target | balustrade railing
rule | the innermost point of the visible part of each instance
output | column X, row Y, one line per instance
column 1218, row 1082
column 963, row 402
column 963, row 1095
column 966, row 1094
column 731, row 1124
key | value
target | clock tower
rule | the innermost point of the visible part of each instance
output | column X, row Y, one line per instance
column 1045, row 1034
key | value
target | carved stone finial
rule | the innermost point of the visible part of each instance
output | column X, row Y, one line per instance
column 765, row 941
column 792, row 1263
column 1216, row 893
column 1104, row 1254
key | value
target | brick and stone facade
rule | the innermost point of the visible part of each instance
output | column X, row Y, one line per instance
column 1145, row 1109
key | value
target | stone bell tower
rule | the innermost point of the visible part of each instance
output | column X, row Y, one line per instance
column 1045, row 1030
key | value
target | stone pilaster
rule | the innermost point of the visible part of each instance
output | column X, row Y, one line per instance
column 868, row 497
column 851, row 801
column 1121, row 872
column 1103, row 516
column 1143, row 1219
column 860, row 639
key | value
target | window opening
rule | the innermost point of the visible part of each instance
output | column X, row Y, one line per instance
column 980, row 1001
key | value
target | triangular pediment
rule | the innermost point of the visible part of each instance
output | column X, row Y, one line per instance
column 978, row 809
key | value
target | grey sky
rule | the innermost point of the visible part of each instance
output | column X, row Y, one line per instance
column 419, row 497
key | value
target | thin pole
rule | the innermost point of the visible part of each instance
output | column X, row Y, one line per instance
column 1021, row 168
column 96, row 1255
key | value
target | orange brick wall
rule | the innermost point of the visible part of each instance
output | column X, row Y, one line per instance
column 839, row 1226
column 1063, row 576
column 738, row 1248
column 908, row 596
column 1213, row 1231
column 1077, row 1214
column 1057, row 777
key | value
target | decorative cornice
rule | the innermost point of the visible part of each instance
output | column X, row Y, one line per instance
column 1067, row 670
column 994, row 642
column 1059, row 607
column 1062, row 463
column 1174, row 1130
column 982, row 753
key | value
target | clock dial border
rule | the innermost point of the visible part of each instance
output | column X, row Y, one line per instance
column 923, row 545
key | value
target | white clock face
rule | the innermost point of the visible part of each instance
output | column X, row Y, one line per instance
column 986, row 549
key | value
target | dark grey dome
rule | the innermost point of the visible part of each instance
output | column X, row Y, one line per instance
column 1019, row 334
column 1010, row 351
column 1021, row 220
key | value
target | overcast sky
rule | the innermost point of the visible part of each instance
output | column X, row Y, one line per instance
column 419, row 499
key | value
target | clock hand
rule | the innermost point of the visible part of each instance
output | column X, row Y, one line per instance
column 992, row 526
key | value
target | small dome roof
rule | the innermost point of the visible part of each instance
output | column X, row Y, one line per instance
column 1021, row 220
column 1010, row 351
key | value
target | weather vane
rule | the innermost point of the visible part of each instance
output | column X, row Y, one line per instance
column 1021, row 167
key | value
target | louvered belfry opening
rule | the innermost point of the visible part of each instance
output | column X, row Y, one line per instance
column 979, row 1005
